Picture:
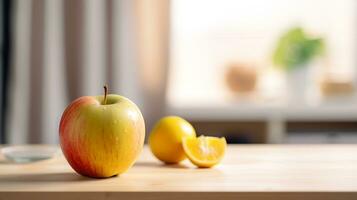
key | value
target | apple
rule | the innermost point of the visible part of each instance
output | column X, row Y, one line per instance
column 101, row 136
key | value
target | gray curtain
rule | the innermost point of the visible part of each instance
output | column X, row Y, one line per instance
column 64, row 49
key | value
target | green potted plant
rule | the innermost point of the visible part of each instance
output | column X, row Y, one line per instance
column 294, row 52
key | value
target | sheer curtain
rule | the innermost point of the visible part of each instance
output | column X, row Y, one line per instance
column 64, row 49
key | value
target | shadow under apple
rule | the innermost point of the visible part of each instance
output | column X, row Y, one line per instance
column 44, row 177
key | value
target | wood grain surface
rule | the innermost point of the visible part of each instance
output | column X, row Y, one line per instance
column 247, row 172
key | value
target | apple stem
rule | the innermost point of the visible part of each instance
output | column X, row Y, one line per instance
column 105, row 94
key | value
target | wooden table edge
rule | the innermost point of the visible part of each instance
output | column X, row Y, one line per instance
column 111, row 195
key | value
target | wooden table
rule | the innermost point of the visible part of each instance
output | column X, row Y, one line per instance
column 248, row 172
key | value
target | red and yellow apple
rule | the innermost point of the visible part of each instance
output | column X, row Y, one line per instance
column 101, row 136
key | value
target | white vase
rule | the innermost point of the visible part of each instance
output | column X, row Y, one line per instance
column 297, row 81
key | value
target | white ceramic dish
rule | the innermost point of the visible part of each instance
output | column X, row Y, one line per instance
column 23, row 154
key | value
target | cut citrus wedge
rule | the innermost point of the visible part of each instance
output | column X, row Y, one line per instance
column 204, row 151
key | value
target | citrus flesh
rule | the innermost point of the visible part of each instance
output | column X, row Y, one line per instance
column 204, row 151
column 165, row 139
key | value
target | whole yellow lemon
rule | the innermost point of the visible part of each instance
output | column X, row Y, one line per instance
column 165, row 139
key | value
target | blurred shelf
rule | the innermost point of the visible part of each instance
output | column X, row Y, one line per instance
column 275, row 114
column 313, row 108
column 254, row 111
column 321, row 138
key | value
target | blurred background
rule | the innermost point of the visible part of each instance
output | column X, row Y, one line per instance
column 258, row 71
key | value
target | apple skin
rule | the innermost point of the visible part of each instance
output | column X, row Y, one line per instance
column 101, row 140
